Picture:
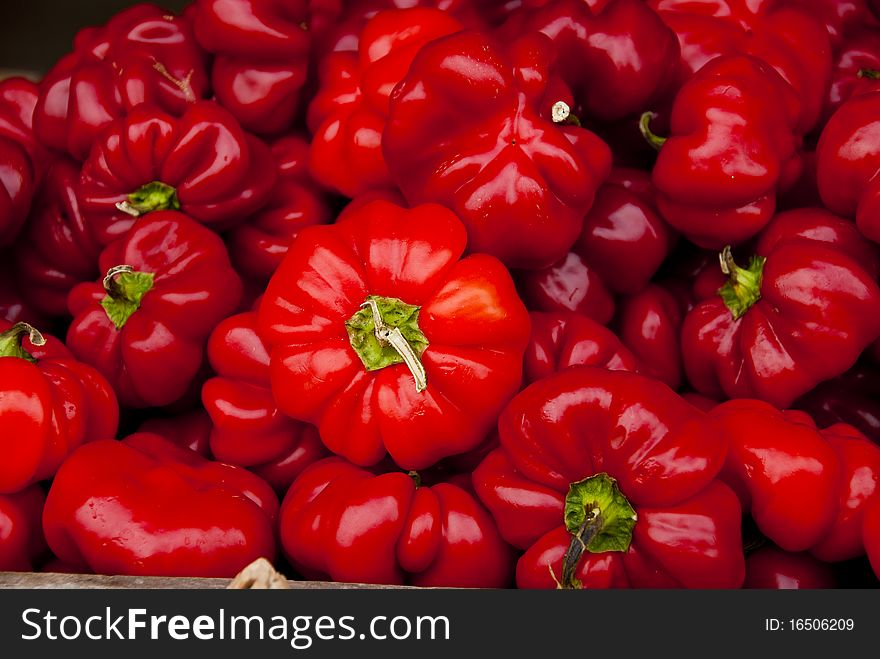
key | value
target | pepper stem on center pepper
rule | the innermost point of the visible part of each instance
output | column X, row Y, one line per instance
column 125, row 290
column 12, row 339
column 154, row 196
column 385, row 331
column 743, row 288
column 599, row 519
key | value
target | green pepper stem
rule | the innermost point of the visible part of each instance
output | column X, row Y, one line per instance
column 561, row 113
column 154, row 196
column 870, row 74
column 12, row 340
column 580, row 539
column 645, row 128
column 125, row 291
column 743, row 287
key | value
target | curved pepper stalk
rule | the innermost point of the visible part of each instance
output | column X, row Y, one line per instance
column 12, row 339
column 125, row 290
column 743, row 289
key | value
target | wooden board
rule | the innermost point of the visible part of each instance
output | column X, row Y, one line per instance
column 51, row 580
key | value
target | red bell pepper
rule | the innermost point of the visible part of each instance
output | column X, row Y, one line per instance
column 168, row 284
column 564, row 339
column 848, row 163
column 349, row 112
column 806, row 488
column 203, row 164
column 568, row 285
column 853, row 398
column 191, row 430
column 649, row 325
column 732, row 146
column 348, row 524
column 144, row 54
column 772, row 568
column 485, row 129
column 859, row 461
column 261, row 56
column 57, row 250
column 21, row 159
column 856, row 67
column 257, row 246
column 618, row 57
column 608, row 479
column 248, row 429
column 384, row 339
column 49, row 404
column 800, row 312
column 22, row 544
column 841, row 17
column 790, row 39
column 871, row 535
column 116, row 508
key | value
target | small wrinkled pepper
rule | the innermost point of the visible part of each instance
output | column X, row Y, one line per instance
column 261, row 56
column 382, row 337
column 564, row 339
column 649, row 325
column 144, row 54
column 22, row 160
column 22, row 544
column 348, row 524
column 49, row 404
column 116, row 508
column 257, row 246
column 201, row 163
column 773, row 568
column 248, row 429
column 856, row 68
column 618, row 57
column 349, row 112
column 57, row 250
column 801, row 312
column 807, row 488
column 145, row 326
column 790, row 39
column 608, row 479
column 485, row 128
column 848, row 163
column 732, row 146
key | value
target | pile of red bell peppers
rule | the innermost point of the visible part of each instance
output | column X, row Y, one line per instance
column 534, row 293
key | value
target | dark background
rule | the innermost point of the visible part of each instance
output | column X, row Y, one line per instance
column 35, row 33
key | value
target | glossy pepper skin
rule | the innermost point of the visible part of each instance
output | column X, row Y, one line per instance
column 791, row 39
column 257, row 246
column 343, row 522
column 848, row 163
column 144, row 54
column 50, row 403
column 618, row 57
column 58, row 249
column 588, row 439
column 732, row 145
column 564, row 339
column 856, row 67
column 201, row 163
column 349, row 112
column 458, row 353
column 261, row 57
column 21, row 158
column 156, row 311
column 800, row 313
column 471, row 127
column 115, row 508
column 248, row 428
column 772, row 568
column 22, row 545
column 649, row 325
column 806, row 488
column 853, row 398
